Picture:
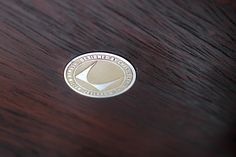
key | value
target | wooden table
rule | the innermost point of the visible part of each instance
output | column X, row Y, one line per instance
column 183, row 103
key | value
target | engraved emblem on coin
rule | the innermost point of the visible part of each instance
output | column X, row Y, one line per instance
column 99, row 75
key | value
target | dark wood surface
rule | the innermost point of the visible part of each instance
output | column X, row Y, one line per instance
column 182, row 105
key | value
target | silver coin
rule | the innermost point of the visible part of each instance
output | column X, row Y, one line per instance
column 100, row 75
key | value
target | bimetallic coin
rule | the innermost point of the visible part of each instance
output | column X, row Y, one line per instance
column 99, row 75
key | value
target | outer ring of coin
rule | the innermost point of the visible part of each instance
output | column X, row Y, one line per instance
column 101, row 53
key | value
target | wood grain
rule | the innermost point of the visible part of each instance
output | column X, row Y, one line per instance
column 183, row 102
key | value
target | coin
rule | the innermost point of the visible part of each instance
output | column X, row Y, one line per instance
column 100, row 75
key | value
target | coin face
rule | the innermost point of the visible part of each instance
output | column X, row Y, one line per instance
column 99, row 75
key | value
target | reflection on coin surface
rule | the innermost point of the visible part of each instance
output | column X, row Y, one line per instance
column 99, row 75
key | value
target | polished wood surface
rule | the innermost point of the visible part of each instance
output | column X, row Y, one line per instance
column 183, row 103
